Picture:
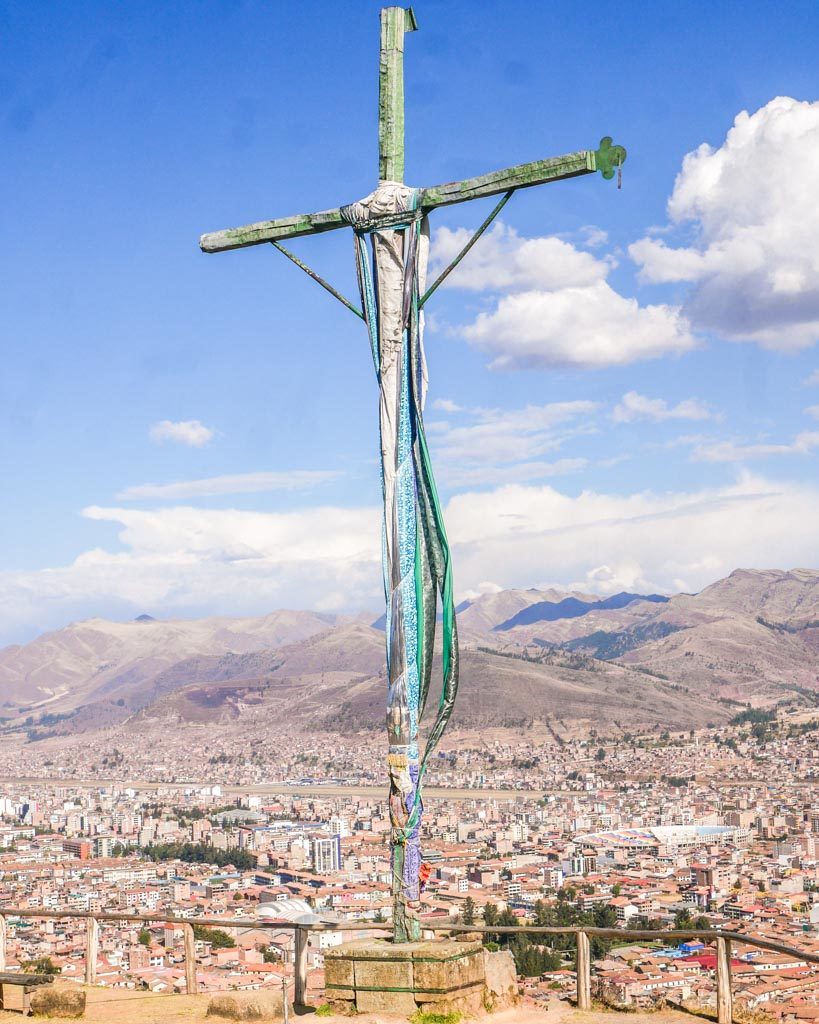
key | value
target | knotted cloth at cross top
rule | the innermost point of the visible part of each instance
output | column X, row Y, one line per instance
column 416, row 559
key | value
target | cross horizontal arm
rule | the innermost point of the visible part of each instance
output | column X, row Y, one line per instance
column 272, row 231
column 539, row 172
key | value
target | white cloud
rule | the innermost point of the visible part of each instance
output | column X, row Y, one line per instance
column 189, row 432
column 446, row 405
column 231, row 535
column 634, row 406
column 190, row 561
column 553, row 305
column 593, row 236
column 615, row 460
column 646, row 541
column 486, row 587
column 236, row 483
column 752, row 202
column 492, row 446
column 519, row 472
column 187, row 561
column 812, row 379
column 503, row 261
column 813, row 410
column 730, row 451
column 586, row 327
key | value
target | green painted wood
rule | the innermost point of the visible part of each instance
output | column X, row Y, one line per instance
column 318, row 279
column 439, row 280
column 539, row 172
column 395, row 21
column 272, row 231
column 609, row 157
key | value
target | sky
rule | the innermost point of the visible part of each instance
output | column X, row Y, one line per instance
column 624, row 383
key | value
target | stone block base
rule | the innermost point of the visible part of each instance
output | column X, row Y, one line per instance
column 377, row 976
column 263, row 1005
column 57, row 1002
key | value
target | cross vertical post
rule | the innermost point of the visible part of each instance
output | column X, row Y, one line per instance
column 391, row 236
column 395, row 21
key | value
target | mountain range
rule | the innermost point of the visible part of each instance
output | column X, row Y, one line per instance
column 566, row 659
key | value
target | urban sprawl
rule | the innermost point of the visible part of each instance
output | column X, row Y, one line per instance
column 717, row 828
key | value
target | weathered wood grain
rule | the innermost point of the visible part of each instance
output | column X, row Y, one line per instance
column 725, row 999
column 272, row 231
column 190, row 959
column 92, row 942
column 26, row 980
column 300, row 967
column 539, row 172
column 583, row 972
column 395, row 21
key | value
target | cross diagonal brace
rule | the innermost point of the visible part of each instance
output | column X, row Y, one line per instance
column 439, row 280
column 572, row 165
column 318, row 279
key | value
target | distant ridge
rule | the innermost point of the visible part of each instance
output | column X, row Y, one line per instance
column 748, row 640
column 572, row 608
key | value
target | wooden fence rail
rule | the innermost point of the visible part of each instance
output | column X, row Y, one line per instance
column 720, row 938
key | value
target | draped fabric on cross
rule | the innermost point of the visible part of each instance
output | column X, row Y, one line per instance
column 416, row 557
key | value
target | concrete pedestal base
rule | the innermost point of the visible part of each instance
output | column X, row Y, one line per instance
column 376, row 976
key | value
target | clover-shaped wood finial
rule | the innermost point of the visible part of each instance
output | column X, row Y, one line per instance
column 608, row 157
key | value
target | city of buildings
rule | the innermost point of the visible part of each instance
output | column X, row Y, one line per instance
column 718, row 827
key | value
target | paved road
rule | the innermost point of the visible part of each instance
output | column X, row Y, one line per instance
column 276, row 788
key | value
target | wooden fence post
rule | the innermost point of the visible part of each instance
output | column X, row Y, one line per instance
column 584, row 972
column 2, row 943
column 725, row 999
column 190, row 959
column 92, row 941
column 300, row 966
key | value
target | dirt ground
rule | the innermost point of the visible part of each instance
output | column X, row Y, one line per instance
column 122, row 1006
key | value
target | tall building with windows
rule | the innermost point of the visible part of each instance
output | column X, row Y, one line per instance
column 326, row 853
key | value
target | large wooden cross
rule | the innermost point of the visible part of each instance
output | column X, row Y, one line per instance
column 417, row 563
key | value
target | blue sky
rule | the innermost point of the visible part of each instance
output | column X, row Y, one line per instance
column 129, row 129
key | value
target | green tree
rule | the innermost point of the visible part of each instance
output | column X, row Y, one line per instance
column 490, row 914
column 543, row 915
column 682, row 919
column 42, row 965
column 144, row 937
column 199, row 853
column 507, row 919
column 605, row 917
column 218, row 938
column 531, row 960
column 468, row 916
